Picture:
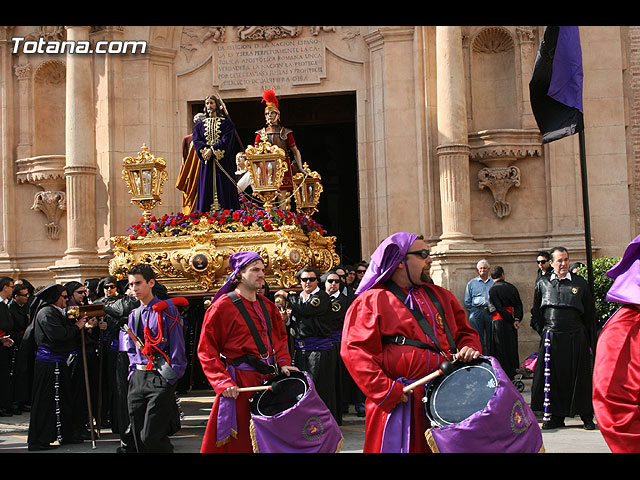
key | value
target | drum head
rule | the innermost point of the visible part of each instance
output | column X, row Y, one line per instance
column 286, row 392
column 455, row 397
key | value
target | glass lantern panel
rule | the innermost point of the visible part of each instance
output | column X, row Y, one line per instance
column 146, row 181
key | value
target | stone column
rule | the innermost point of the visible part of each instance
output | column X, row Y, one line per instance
column 80, row 260
column 453, row 143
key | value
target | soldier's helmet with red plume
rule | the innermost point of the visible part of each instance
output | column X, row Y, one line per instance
column 270, row 99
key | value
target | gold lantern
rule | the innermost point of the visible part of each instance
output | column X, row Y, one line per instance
column 266, row 165
column 307, row 189
column 145, row 176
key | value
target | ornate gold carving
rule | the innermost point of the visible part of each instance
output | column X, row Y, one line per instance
column 199, row 262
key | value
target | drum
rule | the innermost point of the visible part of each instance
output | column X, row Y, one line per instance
column 455, row 397
column 292, row 418
column 477, row 409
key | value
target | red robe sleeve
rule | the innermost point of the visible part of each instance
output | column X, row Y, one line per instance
column 616, row 381
column 375, row 367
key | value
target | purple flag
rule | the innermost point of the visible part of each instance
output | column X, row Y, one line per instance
column 506, row 425
column 306, row 427
column 556, row 84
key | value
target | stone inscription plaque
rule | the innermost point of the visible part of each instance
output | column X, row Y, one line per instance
column 260, row 65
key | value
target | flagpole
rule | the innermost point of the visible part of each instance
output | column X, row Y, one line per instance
column 585, row 208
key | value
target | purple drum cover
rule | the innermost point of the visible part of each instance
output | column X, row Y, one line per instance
column 505, row 425
column 300, row 424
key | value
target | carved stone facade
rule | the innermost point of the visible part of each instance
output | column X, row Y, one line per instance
column 446, row 142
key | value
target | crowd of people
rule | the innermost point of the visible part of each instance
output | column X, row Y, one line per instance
column 352, row 330
column 74, row 374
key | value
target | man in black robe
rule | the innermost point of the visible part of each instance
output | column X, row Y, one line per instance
column 56, row 340
column 311, row 327
column 6, row 328
column 564, row 314
column 506, row 308
column 22, row 365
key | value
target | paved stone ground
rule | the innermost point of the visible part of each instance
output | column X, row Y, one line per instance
column 197, row 404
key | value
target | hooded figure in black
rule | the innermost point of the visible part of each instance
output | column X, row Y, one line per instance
column 312, row 326
column 55, row 338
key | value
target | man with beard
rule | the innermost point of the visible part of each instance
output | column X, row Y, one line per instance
column 213, row 141
column 56, row 339
column 312, row 328
column 564, row 311
column 242, row 344
column 385, row 348
column 505, row 301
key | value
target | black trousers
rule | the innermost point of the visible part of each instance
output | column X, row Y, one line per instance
column 153, row 412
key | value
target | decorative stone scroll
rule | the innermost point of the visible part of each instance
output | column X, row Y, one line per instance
column 47, row 172
column 499, row 180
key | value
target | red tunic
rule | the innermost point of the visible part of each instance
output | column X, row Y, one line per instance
column 225, row 332
column 616, row 381
column 375, row 367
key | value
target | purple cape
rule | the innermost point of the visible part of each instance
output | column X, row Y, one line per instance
column 386, row 259
column 626, row 275
column 237, row 262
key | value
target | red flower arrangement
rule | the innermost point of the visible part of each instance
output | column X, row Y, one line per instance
column 249, row 214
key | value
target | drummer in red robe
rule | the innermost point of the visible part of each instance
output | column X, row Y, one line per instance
column 231, row 357
column 384, row 348
column 616, row 372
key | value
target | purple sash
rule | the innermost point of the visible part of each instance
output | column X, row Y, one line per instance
column 227, row 422
column 396, row 437
column 315, row 343
column 306, row 427
column 506, row 425
column 43, row 354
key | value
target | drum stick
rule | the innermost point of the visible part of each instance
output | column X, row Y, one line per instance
column 254, row 389
column 445, row 368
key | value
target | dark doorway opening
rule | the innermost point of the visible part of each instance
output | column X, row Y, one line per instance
column 324, row 128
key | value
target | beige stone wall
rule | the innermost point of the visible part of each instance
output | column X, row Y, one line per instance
column 412, row 140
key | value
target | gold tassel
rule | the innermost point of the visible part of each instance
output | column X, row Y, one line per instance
column 431, row 441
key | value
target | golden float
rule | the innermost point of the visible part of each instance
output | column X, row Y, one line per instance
column 190, row 252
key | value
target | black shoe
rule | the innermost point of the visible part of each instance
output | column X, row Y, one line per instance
column 34, row 447
column 72, row 441
column 553, row 423
column 589, row 425
column 5, row 413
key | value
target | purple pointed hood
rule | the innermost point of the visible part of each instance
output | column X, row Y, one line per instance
column 385, row 259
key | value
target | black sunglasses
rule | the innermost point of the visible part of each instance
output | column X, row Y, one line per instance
column 309, row 279
column 333, row 280
column 360, row 271
column 542, row 261
column 424, row 253
column 109, row 286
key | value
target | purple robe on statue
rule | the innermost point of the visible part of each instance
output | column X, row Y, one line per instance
column 216, row 133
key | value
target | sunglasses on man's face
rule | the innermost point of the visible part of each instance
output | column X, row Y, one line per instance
column 333, row 280
column 309, row 279
column 110, row 286
column 424, row 253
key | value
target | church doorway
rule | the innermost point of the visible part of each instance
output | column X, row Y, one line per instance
column 324, row 127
